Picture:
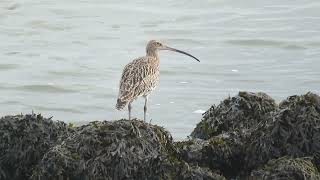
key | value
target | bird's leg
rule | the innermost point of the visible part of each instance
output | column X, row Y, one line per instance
column 129, row 109
column 145, row 107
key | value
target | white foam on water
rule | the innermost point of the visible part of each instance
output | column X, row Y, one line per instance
column 199, row 111
column 183, row 82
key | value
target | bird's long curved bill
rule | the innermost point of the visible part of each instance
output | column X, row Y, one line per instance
column 179, row 51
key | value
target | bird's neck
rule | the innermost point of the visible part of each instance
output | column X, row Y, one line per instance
column 152, row 53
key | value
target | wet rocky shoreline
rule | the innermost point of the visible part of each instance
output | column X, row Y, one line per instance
column 248, row 136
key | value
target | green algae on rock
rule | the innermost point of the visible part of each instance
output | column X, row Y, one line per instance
column 238, row 113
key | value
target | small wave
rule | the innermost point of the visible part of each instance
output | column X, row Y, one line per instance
column 167, row 72
column 104, row 95
column 314, row 44
column 13, row 6
column 183, row 82
column 8, row 66
column 186, row 18
column 250, row 80
column 44, row 88
column 68, row 73
column 39, row 24
column 199, row 111
column 149, row 25
column 269, row 43
column 185, row 41
column 294, row 47
column 168, row 31
column 58, row 58
column 10, row 102
column 95, row 107
column 12, row 53
column 43, row 108
column 255, row 42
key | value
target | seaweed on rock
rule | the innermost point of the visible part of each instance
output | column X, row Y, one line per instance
column 238, row 113
column 245, row 137
column 118, row 150
column 222, row 154
column 23, row 142
column 246, row 131
column 197, row 173
column 287, row 168
column 316, row 160
column 294, row 131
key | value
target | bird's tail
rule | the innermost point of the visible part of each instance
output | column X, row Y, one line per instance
column 121, row 104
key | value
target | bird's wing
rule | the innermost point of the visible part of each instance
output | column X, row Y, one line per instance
column 134, row 80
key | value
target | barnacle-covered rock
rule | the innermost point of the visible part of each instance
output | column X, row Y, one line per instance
column 287, row 168
column 238, row 113
column 118, row 150
column 23, row 142
column 294, row 131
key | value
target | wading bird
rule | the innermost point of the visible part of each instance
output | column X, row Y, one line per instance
column 141, row 76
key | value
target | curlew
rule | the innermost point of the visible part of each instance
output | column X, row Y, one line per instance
column 141, row 76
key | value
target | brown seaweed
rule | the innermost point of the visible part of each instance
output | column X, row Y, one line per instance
column 239, row 113
column 118, row 150
column 247, row 136
column 287, row 168
column 23, row 142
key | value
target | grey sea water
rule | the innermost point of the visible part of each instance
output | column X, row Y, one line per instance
column 64, row 58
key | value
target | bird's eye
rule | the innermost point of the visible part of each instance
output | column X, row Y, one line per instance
column 159, row 44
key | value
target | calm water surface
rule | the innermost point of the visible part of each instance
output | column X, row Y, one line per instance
column 65, row 58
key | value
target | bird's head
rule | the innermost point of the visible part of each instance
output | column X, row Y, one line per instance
column 153, row 46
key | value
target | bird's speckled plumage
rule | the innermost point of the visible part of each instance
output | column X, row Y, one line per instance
column 141, row 76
